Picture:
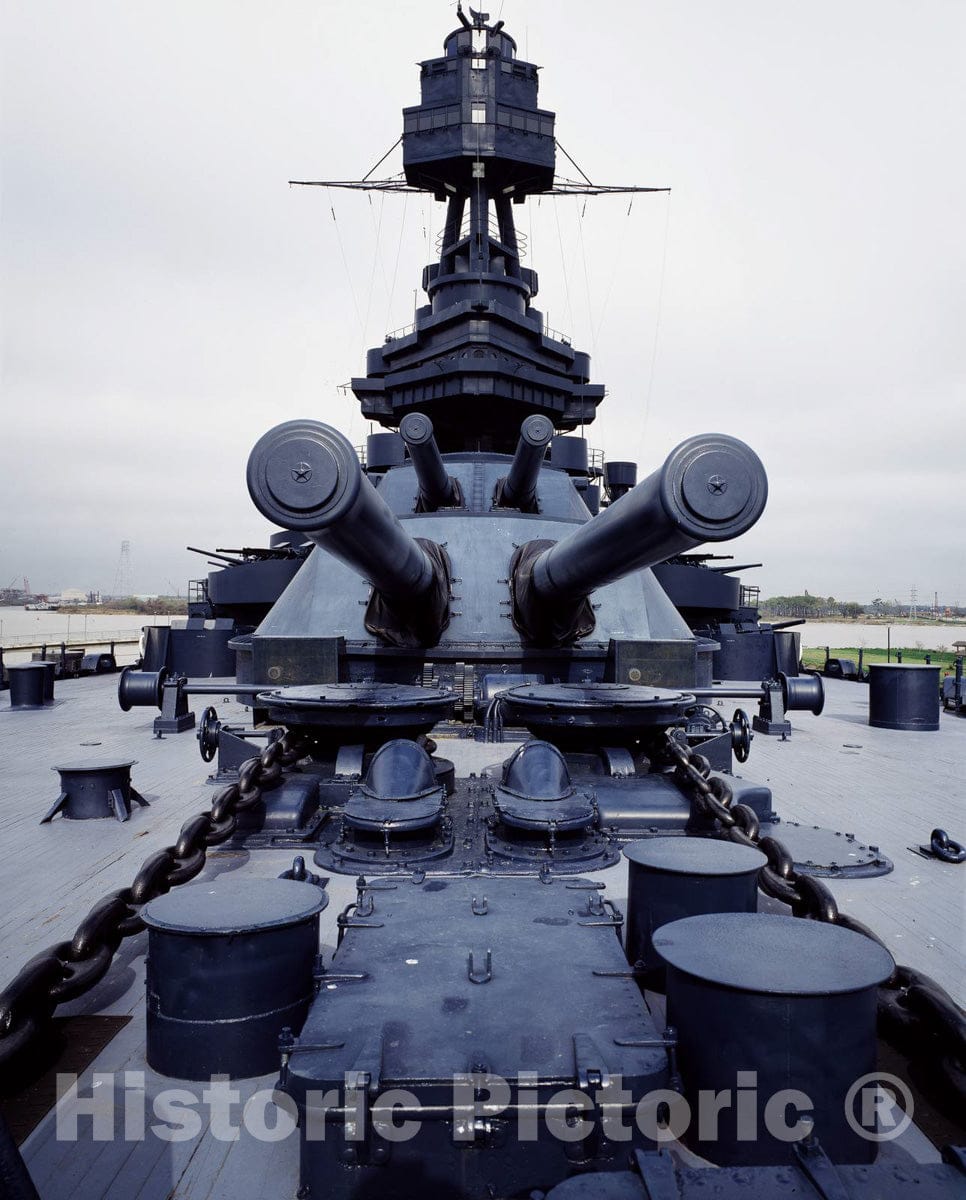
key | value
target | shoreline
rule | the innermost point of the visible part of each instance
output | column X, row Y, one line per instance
column 934, row 622
column 109, row 610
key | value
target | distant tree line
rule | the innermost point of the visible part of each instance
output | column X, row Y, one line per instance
column 810, row 606
column 827, row 606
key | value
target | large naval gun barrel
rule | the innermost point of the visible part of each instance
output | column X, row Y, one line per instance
column 519, row 488
column 710, row 488
column 305, row 475
column 436, row 488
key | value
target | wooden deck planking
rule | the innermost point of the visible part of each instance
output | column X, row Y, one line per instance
column 52, row 874
column 891, row 790
column 888, row 787
column 131, row 1168
column 249, row 1169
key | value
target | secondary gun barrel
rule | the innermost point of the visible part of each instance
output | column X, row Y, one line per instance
column 304, row 475
column 436, row 488
column 710, row 488
column 519, row 488
column 232, row 562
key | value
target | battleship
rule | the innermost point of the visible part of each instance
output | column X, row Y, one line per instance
column 477, row 900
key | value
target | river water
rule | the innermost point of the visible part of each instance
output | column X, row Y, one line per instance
column 849, row 633
column 89, row 629
column 18, row 626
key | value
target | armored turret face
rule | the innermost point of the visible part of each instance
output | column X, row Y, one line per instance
column 306, row 475
column 470, row 537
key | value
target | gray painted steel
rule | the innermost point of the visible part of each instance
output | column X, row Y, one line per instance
column 436, row 488
column 230, row 964
column 306, row 475
column 904, row 696
column 658, row 1176
column 95, row 788
column 673, row 877
column 710, row 488
column 776, row 1003
column 451, row 976
column 28, row 684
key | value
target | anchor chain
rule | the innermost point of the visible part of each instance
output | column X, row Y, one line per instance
column 68, row 969
column 943, row 847
column 913, row 1009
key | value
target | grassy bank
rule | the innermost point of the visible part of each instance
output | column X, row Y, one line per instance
column 775, row 614
column 814, row 656
column 160, row 606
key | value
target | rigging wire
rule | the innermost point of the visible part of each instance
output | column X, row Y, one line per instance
column 482, row 210
column 571, row 161
column 581, row 212
column 428, row 225
column 379, row 247
column 383, row 159
column 657, row 330
column 618, row 258
column 354, row 414
column 395, row 269
column 583, row 254
column 429, row 202
column 376, row 261
column 345, row 263
column 530, row 250
column 563, row 264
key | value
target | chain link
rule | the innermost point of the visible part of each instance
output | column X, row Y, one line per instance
column 69, row 969
column 913, row 1009
column 942, row 846
column 912, row 1006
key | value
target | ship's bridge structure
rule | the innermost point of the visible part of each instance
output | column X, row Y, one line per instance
column 479, row 142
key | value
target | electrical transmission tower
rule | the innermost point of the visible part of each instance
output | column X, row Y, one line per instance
column 122, row 576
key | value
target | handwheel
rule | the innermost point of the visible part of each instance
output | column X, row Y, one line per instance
column 704, row 714
column 741, row 735
column 208, row 734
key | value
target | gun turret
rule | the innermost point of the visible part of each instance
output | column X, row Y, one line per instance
column 711, row 488
column 305, row 476
column 436, row 488
column 519, row 488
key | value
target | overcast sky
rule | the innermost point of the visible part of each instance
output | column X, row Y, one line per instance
column 167, row 297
